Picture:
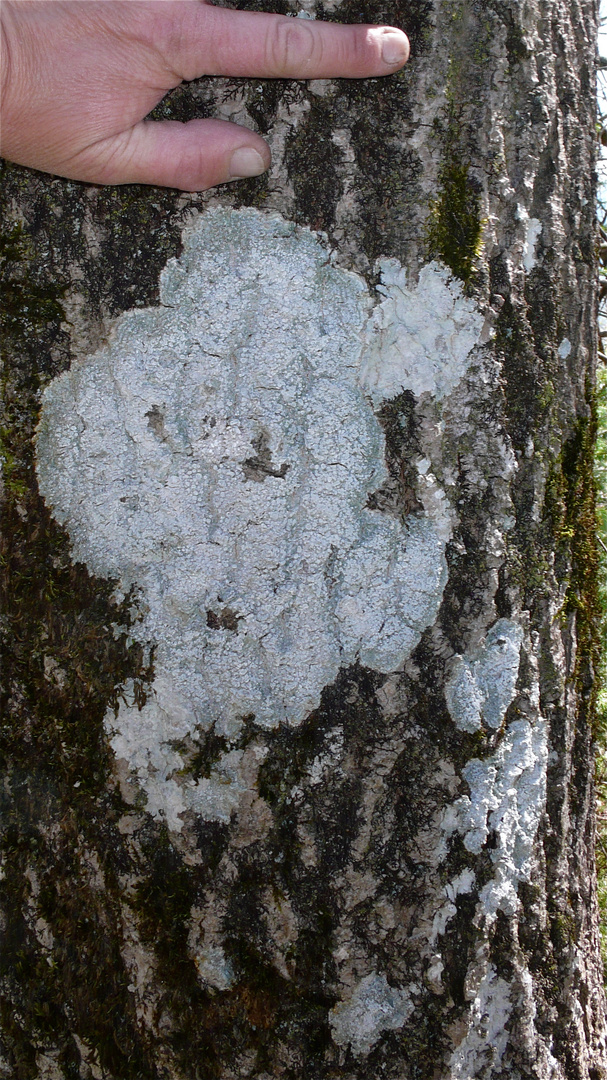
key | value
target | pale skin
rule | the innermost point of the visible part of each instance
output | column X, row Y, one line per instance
column 79, row 76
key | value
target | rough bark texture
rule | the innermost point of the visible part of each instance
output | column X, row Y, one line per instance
column 400, row 883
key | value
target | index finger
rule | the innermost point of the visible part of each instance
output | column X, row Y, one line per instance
column 220, row 41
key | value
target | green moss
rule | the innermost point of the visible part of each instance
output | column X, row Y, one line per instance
column 601, row 701
column 27, row 306
column 574, row 483
column 571, row 504
column 454, row 229
column 454, row 226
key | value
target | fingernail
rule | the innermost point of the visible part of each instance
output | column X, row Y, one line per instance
column 246, row 162
column 395, row 48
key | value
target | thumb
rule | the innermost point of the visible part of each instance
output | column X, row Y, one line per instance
column 192, row 156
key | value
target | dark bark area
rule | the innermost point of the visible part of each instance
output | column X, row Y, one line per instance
column 339, row 864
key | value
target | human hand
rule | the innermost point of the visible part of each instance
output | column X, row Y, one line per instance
column 79, row 76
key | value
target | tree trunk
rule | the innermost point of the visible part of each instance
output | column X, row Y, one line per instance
column 300, row 615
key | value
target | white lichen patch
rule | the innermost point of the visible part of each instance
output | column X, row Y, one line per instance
column 419, row 338
column 480, row 690
column 213, row 968
column 206, row 950
column 218, row 456
column 463, row 883
column 532, row 235
column 507, row 798
column 460, row 885
column 373, row 1007
column 481, row 1050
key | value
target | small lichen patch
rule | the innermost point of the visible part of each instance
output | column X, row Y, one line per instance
column 485, row 1042
column 419, row 338
column 213, row 967
column 507, row 798
column 218, row 456
column 481, row 689
column 532, row 235
column 373, row 1007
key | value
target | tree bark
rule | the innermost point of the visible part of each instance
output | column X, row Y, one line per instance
column 300, row 583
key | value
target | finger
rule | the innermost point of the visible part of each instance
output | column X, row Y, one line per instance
column 220, row 41
column 191, row 157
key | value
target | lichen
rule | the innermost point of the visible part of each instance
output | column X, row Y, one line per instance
column 420, row 339
column 356, row 790
column 480, row 689
column 146, row 448
column 373, row 1007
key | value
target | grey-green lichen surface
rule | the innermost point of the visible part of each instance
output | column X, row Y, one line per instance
column 299, row 622
column 219, row 455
